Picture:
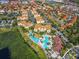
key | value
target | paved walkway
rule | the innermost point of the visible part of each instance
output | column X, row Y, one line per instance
column 69, row 51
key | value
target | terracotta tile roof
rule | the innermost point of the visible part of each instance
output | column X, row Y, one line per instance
column 40, row 27
column 34, row 12
column 64, row 17
column 39, row 18
column 48, row 27
column 25, row 23
column 22, row 17
column 73, row 19
column 70, row 23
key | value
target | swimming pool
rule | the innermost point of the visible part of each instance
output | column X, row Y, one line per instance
column 36, row 40
column 42, row 41
column 45, row 41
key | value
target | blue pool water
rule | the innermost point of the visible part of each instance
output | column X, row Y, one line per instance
column 45, row 41
column 37, row 40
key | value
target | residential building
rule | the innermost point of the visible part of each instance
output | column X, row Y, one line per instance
column 2, row 11
column 43, row 1
column 14, row 4
column 22, row 18
column 25, row 24
column 24, row 15
column 64, row 17
column 39, row 19
column 57, row 44
column 13, row 1
column 70, row 23
column 5, row 23
column 24, row 1
column 42, row 28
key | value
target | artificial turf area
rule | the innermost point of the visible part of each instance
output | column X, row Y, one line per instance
column 15, row 43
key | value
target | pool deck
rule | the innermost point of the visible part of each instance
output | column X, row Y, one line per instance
column 43, row 42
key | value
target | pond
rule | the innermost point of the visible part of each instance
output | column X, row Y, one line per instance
column 4, row 53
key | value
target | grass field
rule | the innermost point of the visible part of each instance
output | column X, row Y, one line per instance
column 18, row 49
column 77, row 1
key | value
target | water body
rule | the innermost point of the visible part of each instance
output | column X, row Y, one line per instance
column 5, row 53
column 44, row 42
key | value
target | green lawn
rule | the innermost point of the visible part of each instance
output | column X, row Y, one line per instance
column 16, row 45
column 77, row 1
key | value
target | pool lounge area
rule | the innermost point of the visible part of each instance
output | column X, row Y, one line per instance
column 41, row 42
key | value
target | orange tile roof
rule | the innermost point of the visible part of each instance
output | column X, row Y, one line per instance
column 34, row 12
column 39, row 18
column 73, row 19
column 22, row 17
column 48, row 27
column 40, row 26
column 24, row 23
column 70, row 23
column 65, row 17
